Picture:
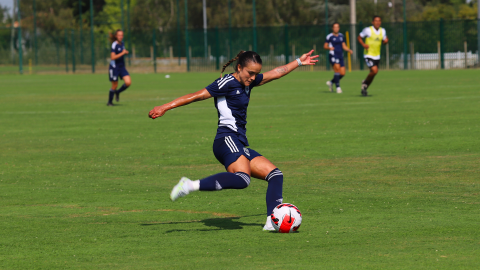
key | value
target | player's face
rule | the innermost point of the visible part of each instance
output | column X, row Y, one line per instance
column 248, row 73
column 119, row 36
column 377, row 22
column 336, row 28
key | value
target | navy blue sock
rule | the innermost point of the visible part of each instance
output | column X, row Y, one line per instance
column 274, row 191
column 110, row 95
column 336, row 79
column 123, row 88
column 341, row 76
column 225, row 180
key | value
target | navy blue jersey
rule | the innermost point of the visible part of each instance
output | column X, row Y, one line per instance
column 231, row 101
column 118, row 48
column 336, row 42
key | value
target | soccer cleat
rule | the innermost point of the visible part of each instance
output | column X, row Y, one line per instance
column 117, row 96
column 330, row 87
column 110, row 104
column 181, row 189
column 364, row 89
column 339, row 90
column 268, row 225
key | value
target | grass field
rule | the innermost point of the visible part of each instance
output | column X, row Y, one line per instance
column 389, row 181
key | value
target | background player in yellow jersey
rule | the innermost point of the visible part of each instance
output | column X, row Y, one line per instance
column 374, row 37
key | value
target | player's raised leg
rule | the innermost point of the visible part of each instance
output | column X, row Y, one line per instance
column 237, row 177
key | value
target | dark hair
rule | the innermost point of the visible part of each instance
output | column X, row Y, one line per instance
column 335, row 23
column 242, row 58
column 376, row 16
column 113, row 36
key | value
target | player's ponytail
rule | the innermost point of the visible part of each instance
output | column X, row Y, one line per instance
column 113, row 36
column 229, row 62
column 242, row 59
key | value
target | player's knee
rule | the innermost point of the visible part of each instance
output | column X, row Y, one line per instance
column 128, row 83
column 246, row 180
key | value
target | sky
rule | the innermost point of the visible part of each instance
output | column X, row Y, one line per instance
column 8, row 3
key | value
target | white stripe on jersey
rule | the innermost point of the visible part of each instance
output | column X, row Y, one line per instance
column 231, row 144
column 234, row 146
column 114, row 44
column 226, row 118
column 224, row 82
column 224, row 78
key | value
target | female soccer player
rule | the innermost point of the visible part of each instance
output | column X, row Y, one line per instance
column 232, row 95
column 335, row 42
column 374, row 36
column 117, row 67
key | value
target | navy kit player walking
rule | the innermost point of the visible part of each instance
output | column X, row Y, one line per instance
column 117, row 67
column 335, row 42
column 231, row 95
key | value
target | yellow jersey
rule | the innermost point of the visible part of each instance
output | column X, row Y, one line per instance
column 373, row 38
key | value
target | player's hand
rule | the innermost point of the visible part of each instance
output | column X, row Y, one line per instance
column 366, row 46
column 125, row 51
column 307, row 59
column 351, row 51
column 331, row 48
column 385, row 41
column 158, row 111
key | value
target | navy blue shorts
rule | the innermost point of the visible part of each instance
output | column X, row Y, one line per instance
column 118, row 72
column 228, row 149
column 335, row 59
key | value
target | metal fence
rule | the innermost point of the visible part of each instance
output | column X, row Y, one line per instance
column 428, row 45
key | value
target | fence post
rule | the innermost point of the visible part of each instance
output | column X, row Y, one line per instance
column 186, row 36
column 81, row 30
column 57, row 44
column 361, row 51
column 442, row 46
column 388, row 56
column 178, row 33
column 35, row 30
column 129, row 35
column 412, row 56
column 154, row 51
column 439, row 52
column 92, row 39
column 105, row 51
column 73, row 51
column 217, row 49
column 465, row 49
column 20, row 49
column 286, row 43
column 254, row 26
column 405, row 45
column 66, row 51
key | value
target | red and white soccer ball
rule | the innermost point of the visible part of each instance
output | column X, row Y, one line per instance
column 286, row 218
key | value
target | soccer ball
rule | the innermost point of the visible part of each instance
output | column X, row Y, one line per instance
column 286, row 218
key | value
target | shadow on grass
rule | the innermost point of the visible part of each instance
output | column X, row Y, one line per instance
column 215, row 224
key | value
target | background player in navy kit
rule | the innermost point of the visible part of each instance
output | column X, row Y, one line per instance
column 335, row 42
column 232, row 95
column 117, row 67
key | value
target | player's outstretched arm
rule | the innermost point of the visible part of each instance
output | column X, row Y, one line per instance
column 306, row 60
column 181, row 101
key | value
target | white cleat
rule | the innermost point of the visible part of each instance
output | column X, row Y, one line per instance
column 268, row 225
column 181, row 189
column 330, row 87
column 339, row 90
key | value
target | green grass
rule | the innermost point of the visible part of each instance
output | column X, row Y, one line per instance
column 389, row 181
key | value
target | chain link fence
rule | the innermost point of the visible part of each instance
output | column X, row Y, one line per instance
column 429, row 45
